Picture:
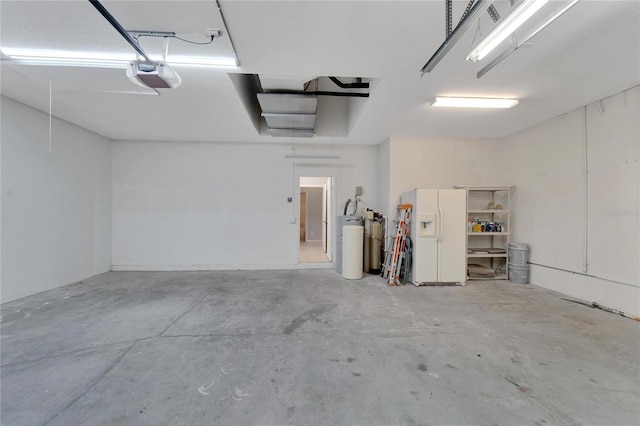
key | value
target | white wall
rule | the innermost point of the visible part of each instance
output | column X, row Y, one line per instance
column 221, row 206
column 442, row 163
column 591, row 254
column 56, row 206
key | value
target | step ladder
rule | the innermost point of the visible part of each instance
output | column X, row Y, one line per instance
column 395, row 246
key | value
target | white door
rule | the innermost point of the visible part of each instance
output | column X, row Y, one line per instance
column 331, row 214
column 324, row 218
column 453, row 235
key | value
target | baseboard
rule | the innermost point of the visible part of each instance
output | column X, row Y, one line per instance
column 623, row 297
column 308, row 265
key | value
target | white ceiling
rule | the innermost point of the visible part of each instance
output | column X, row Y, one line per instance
column 591, row 52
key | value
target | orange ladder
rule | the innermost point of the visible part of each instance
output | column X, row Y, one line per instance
column 394, row 251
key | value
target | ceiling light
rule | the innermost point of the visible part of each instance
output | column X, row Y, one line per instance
column 443, row 101
column 313, row 156
column 66, row 58
column 511, row 23
column 64, row 54
column 67, row 62
column 104, row 60
column 525, row 38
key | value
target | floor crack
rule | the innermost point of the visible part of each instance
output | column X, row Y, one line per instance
column 73, row 352
column 339, row 333
column 91, row 385
column 183, row 314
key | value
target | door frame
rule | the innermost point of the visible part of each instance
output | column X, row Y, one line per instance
column 324, row 225
column 331, row 199
column 306, row 214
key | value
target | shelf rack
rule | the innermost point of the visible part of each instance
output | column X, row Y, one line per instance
column 481, row 202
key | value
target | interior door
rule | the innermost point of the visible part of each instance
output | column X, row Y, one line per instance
column 324, row 217
column 331, row 217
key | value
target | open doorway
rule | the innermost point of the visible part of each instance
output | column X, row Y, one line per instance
column 315, row 219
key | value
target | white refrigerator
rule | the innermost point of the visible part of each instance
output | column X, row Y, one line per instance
column 438, row 235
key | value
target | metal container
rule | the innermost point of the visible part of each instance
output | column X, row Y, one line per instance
column 518, row 274
column 518, row 254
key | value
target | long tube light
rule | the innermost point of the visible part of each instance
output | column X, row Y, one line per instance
column 67, row 62
column 314, row 156
column 507, row 27
column 104, row 60
column 520, row 43
column 456, row 102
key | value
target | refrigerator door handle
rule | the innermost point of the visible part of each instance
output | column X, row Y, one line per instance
column 441, row 227
column 439, row 220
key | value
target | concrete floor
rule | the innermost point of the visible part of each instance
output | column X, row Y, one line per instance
column 308, row 347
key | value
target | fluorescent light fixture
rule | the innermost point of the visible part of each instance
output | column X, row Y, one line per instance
column 525, row 38
column 67, row 62
column 65, row 54
column 66, row 58
column 313, row 156
column 104, row 60
column 511, row 23
column 444, row 101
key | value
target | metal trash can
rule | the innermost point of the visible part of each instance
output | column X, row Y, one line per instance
column 518, row 274
column 518, row 263
column 518, row 253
